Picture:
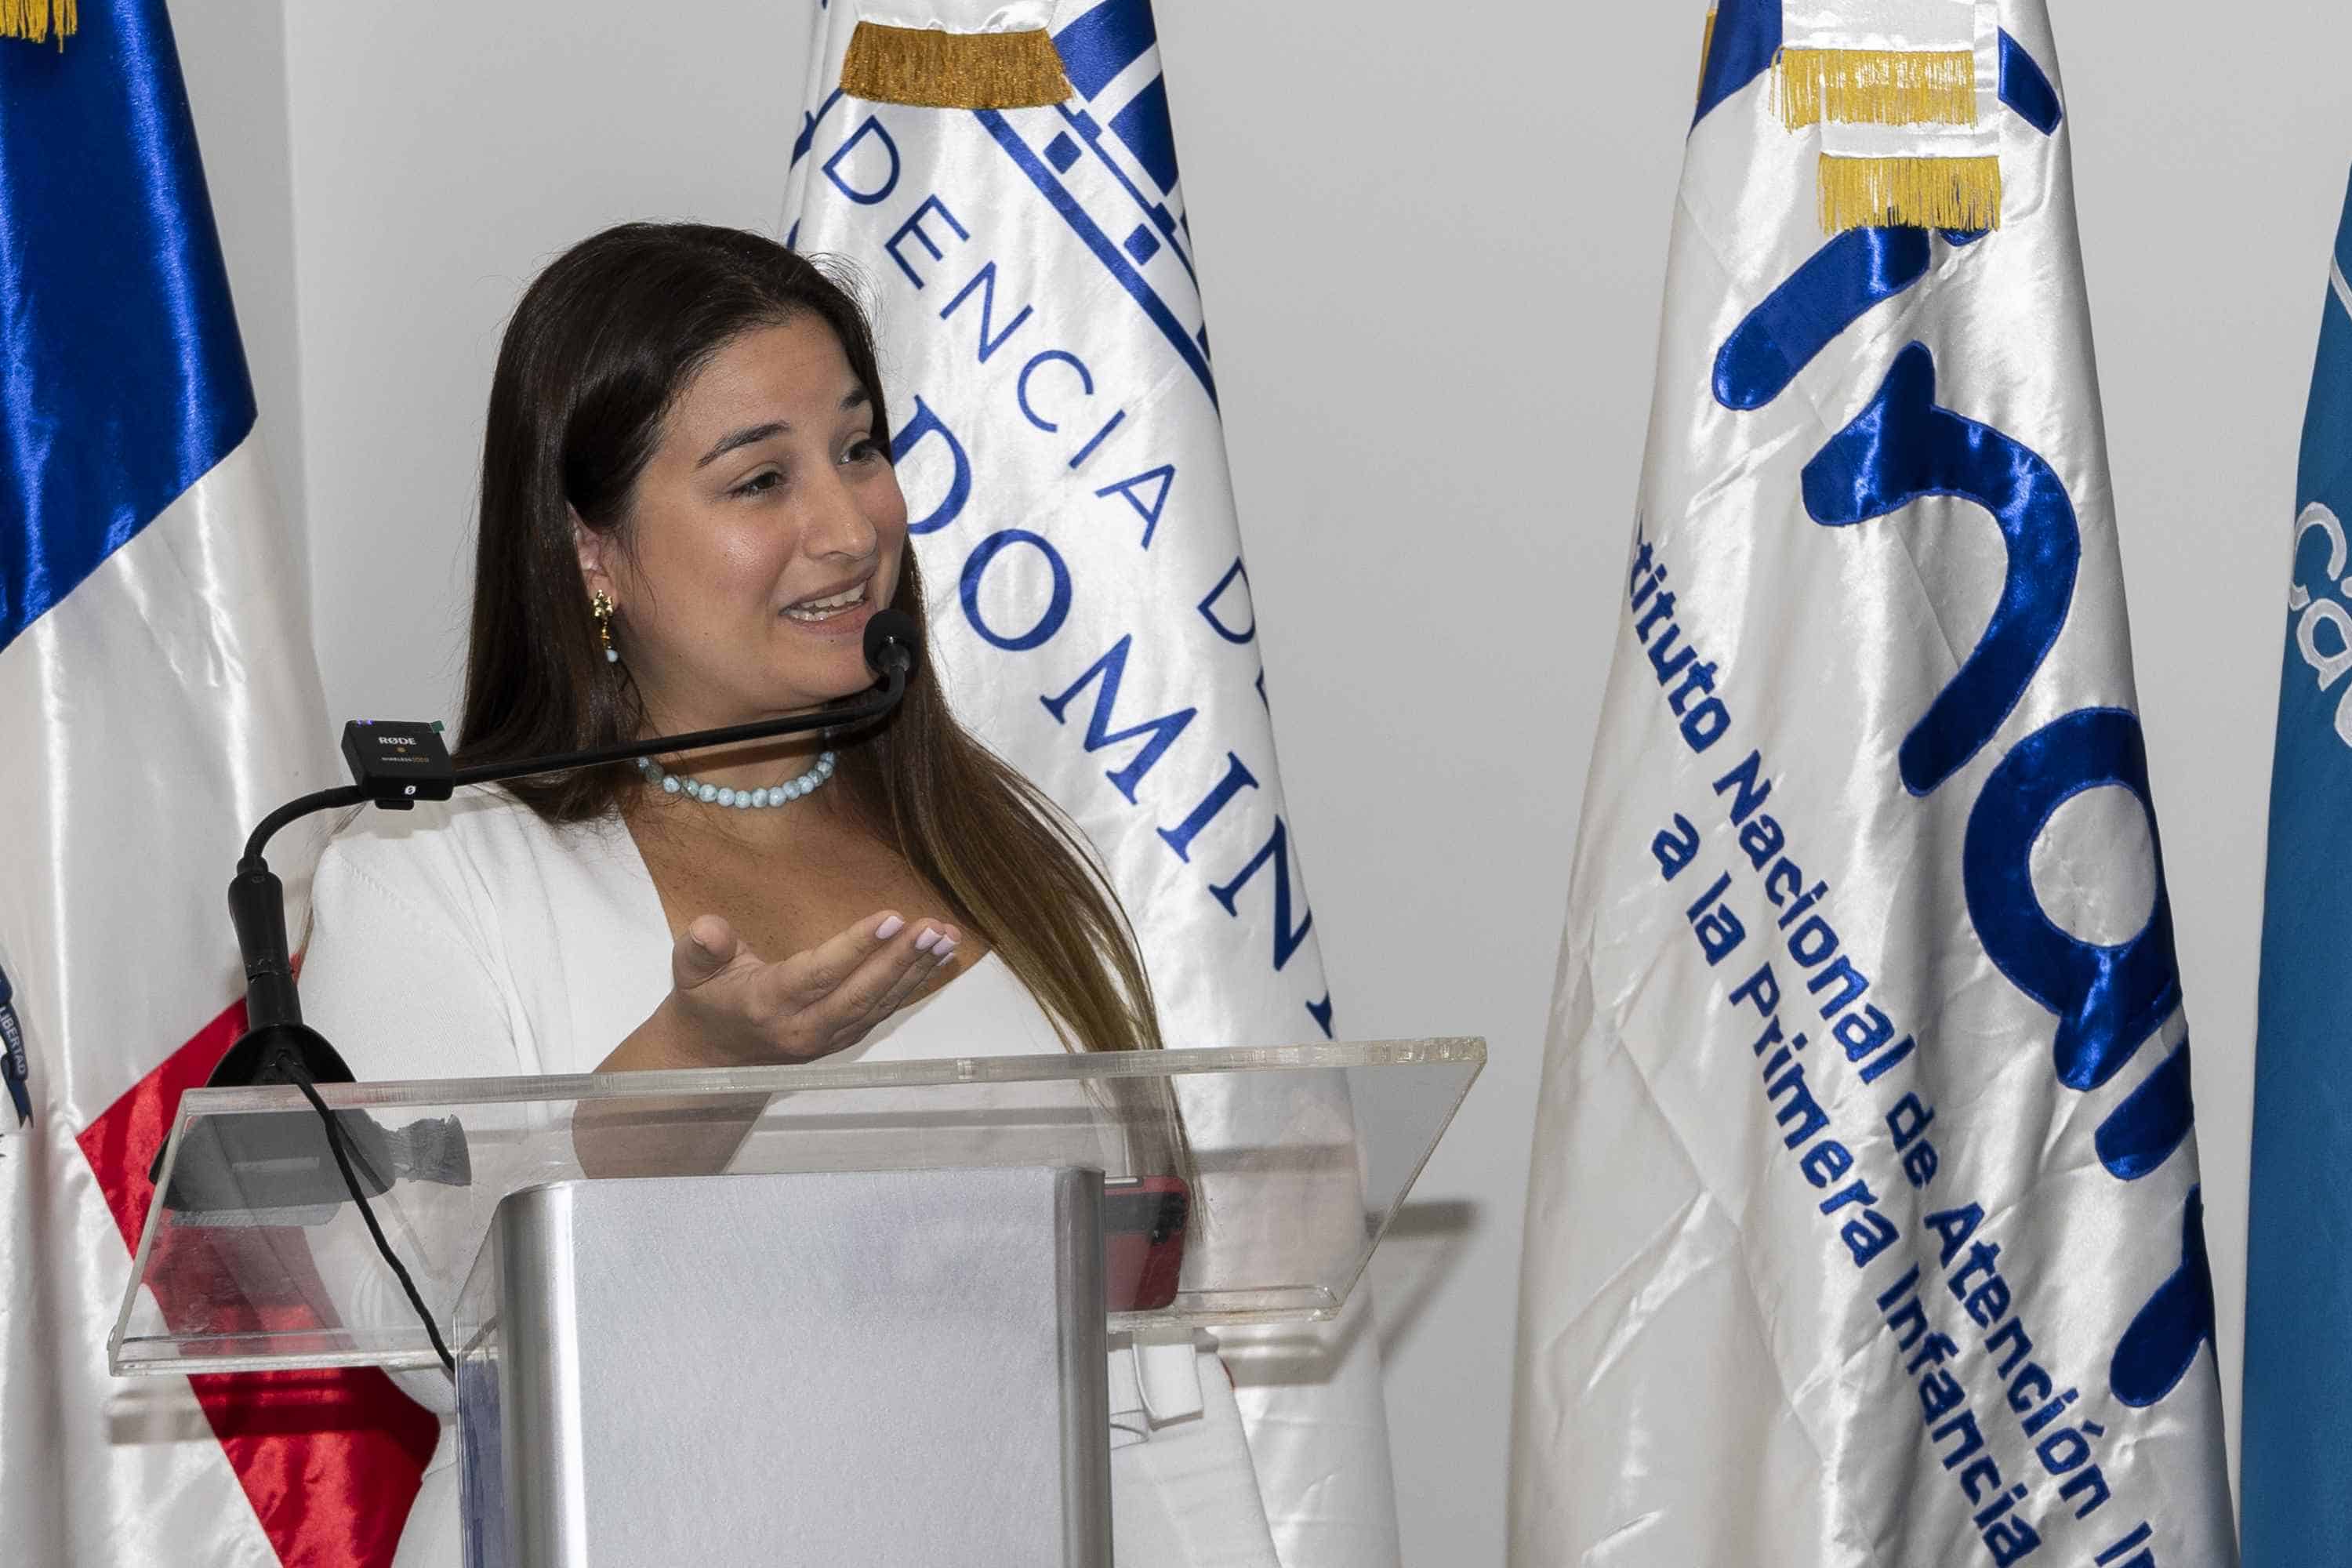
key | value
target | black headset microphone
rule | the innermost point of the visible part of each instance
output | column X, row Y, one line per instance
column 395, row 765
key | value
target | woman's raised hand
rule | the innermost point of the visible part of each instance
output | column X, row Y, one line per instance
column 728, row 1007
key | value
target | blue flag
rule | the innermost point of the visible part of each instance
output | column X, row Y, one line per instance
column 2298, row 1379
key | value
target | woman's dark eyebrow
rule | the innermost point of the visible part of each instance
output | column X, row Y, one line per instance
column 746, row 436
column 855, row 398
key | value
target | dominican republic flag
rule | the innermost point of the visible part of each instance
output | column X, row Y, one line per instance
column 158, row 693
column 1003, row 177
column 2296, row 1469
column 1864, row 1225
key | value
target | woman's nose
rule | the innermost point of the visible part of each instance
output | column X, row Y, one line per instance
column 840, row 526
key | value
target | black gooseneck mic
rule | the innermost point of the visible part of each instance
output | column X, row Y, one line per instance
column 394, row 766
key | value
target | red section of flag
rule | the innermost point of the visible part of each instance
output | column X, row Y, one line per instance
column 330, row 1460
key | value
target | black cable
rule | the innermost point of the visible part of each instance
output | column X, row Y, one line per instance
column 301, row 1080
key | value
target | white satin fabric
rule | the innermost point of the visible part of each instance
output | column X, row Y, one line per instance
column 154, row 716
column 1705, row 1376
column 1973, row 26
column 1906, row 25
column 962, row 15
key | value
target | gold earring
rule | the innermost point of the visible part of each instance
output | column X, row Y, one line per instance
column 601, row 607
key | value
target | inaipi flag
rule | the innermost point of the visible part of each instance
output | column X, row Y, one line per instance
column 1864, row 1221
column 159, row 693
column 1005, row 184
column 2294, row 1480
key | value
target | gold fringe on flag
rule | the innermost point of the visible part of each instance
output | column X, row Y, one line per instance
column 936, row 70
column 1877, row 87
column 32, row 20
column 1705, row 49
column 1909, row 193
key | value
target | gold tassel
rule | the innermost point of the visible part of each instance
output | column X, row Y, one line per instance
column 1877, row 87
column 938, row 69
column 32, row 20
column 1706, row 50
column 1909, row 193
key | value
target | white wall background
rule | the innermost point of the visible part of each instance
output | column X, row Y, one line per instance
column 1433, row 241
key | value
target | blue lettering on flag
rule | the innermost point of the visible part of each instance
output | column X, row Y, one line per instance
column 2108, row 999
column 985, row 281
column 2154, row 1120
column 1902, row 447
column 914, row 225
column 1110, row 670
column 1129, row 489
column 907, row 438
column 1179, row 839
column 126, row 380
column 1286, row 937
column 15, row 1067
column 864, row 194
column 1057, row 604
column 1842, row 283
column 2157, row 1352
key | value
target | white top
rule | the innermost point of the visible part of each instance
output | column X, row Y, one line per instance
column 545, row 947
column 475, row 939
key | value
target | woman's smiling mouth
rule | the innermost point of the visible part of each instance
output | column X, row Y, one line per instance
column 809, row 612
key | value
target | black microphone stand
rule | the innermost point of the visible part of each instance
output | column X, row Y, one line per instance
column 277, row 1045
column 397, row 765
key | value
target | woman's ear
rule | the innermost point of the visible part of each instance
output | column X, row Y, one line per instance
column 593, row 548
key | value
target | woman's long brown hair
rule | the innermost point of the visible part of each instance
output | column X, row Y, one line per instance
column 600, row 347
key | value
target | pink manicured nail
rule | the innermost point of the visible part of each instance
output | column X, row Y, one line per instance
column 930, row 938
column 888, row 929
column 944, row 949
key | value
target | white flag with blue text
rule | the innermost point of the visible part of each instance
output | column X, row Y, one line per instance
column 1864, row 1224
column 1056, row 426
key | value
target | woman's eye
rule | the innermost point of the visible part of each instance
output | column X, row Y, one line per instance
column 760, row 483
column 862, row 450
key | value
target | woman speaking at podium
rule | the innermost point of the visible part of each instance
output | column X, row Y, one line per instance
column 687, row 515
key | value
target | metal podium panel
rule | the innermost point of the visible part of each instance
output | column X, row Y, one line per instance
column 822, row 1368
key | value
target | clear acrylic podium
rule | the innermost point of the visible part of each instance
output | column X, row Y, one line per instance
column 839, row 1312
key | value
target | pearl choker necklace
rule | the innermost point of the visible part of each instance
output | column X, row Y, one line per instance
column 741, row 799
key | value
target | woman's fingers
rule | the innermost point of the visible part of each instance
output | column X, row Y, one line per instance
column 806, row 978
column 840, row 990
column 911, row 980
column 708, row 946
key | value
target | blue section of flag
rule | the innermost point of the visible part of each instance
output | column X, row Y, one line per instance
column 2296, row 1474
column 121, row 380
column 1103, row 41
column 1115, row 262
